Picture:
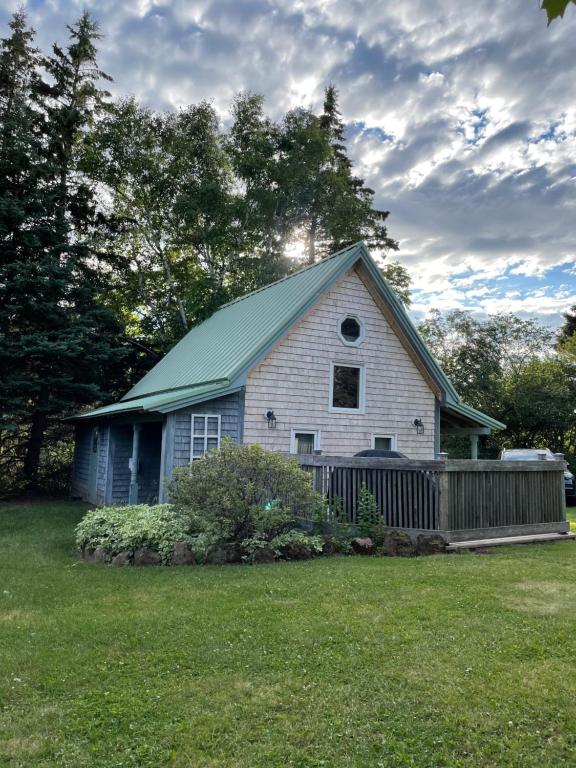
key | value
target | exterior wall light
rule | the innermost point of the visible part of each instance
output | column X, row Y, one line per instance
column 271, row 419
column 419, row 426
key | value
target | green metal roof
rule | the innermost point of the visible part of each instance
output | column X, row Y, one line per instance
column 163, row 402
column 214, row 357
column 461, row 409
column 220, row 347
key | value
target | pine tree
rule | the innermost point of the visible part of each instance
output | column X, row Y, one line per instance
column 350, row 214
column 568, row 328
column 58, row 343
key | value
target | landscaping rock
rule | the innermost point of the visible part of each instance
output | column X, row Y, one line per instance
column 331, row 545
column 430, row 545
column 263, row 555
column 398, row 544
column 122, row 559
column 223, row 554
column 147, row 556
column 98, row 555
column 296, row 550
column 363, row 546
column 182, row 554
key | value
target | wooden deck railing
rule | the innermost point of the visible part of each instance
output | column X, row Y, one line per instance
column 458, row 498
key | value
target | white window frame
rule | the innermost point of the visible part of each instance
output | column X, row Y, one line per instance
column 360, row 322
column 393, row 439
column 205, row 435
column 361, row 383
column 305, row 431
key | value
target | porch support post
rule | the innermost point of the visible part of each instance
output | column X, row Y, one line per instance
column 474, row 447
column 133, row 491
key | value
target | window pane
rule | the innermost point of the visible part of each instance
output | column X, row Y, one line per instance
column 350, row 329
column 198, row 449
column 212, row 443
column 199, row 425
column 212, row 425
column 346, row 393
column 304, row 442
column 383, row 443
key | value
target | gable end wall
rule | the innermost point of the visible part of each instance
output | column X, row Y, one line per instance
column 294, row 379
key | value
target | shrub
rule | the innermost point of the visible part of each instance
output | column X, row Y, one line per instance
column 367, row 517
column 242, row 491
column 120, row 529
column 297, row 545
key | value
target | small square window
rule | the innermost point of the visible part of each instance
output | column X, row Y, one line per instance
column 384, row 442
column 305, row 441
column 347, row 387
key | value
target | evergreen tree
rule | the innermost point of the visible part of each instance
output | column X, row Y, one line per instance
column 568, row 328
column 57, row 343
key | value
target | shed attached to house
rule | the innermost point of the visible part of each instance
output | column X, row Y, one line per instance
column 325, row 360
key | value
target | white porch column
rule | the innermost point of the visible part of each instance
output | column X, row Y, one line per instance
column 133, row 491
column 474, row 447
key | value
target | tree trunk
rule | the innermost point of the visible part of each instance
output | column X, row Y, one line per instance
column 311, row 244
column 33, row 449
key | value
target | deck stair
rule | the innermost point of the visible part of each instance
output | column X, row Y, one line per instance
column 538, row 538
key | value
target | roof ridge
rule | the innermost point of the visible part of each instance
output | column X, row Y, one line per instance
column 292, row 274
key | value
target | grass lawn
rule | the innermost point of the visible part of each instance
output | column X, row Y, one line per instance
column 460, row 660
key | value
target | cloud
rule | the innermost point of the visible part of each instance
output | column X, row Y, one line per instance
column 462, row 117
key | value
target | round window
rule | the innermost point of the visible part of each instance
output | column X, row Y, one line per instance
column 350, row 329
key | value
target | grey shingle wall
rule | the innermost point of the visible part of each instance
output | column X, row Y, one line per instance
column 229, row 408
column 121, row 452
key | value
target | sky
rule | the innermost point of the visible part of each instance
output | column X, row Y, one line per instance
column 461, row 115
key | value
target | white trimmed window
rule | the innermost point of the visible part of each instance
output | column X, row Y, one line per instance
column 384, row 442
column 206, row 433
column 304, row 441
column 347, row 388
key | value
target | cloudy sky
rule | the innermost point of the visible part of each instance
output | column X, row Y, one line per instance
column 461, row 115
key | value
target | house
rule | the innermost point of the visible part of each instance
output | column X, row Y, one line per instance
column 324, row 360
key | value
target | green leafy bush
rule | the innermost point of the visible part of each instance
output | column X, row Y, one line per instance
column 367, row 517
column 121, row 529
column 295, row 545
column 242, row 491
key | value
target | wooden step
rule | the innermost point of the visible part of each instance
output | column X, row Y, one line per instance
column 506, row 540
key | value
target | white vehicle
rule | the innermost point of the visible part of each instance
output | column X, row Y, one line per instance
column 541, row 454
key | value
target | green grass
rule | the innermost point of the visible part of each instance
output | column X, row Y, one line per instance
column 460, row 660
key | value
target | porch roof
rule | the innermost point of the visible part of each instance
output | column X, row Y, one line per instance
column 163, row 402
column 464, row 418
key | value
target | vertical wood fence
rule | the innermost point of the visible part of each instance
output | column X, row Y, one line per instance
column 458, row 498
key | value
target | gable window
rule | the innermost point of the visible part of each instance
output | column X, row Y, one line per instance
column 205, row 435
column 304, row 441
column 347, row 387
column 351, row 330
column 384, row 442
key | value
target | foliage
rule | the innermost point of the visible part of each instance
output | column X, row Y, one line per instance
column 510, row 369
column 242, row 490
column 295, row 540
column 398, row 278
column 251, row 545
column 367, row 516
column 568, row 329
column 121, row 529
column 112, row 668
column 58, row 345
column 555, row 8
